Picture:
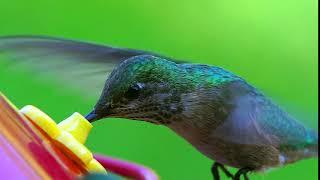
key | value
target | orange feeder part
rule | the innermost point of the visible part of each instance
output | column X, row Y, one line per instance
column 28, row 152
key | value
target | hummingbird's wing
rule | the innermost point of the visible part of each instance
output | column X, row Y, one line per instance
column 82, row 65
column 255, row 120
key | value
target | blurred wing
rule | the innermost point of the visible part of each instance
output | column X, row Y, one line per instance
column 78, row 64
column 255, row 120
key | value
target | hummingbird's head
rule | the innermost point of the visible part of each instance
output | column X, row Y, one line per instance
column 143, row 88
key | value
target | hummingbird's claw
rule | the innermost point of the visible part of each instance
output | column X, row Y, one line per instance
column 242, row 171
column 215, row 171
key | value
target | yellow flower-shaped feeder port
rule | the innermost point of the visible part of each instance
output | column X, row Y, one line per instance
column 71, row 133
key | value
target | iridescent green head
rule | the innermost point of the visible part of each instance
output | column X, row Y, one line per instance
column 144, row 88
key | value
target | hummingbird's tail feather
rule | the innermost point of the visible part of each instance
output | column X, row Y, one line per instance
column 311, row 152
column 312, row 147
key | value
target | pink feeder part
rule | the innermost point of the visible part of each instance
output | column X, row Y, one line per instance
column 126, row 169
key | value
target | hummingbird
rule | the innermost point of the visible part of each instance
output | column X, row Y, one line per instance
column 216, row 111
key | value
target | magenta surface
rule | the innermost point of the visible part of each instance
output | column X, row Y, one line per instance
column 126, row 169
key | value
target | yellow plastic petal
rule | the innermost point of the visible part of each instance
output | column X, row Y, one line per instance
column 71, row 133
column 75, row 147
column 42, row 120
column 76, row 125
column 95, row 167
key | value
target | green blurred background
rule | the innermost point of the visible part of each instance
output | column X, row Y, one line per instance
column 271, row 43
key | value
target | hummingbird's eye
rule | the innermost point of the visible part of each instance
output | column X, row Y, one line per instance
column 134, row 91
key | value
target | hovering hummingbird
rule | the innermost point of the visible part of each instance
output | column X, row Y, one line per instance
column 216, row 111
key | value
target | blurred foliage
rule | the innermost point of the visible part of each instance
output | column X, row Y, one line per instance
column 273, row 44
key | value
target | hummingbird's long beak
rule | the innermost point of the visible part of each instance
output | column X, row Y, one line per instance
column 99, row 112
column 92, row 116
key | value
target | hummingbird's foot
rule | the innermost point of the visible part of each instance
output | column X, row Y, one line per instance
column 215, row 171
column 242, row 171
